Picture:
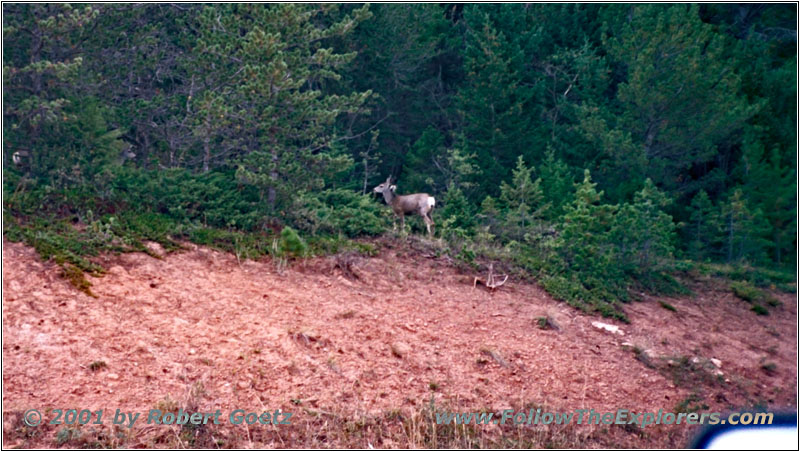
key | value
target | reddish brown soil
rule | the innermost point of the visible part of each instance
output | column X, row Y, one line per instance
column 200, row 325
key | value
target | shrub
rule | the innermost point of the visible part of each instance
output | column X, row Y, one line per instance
column 338, row 211
column 745, row 291
column 290, row 244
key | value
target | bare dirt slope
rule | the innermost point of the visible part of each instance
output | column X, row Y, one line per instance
column 204, row 330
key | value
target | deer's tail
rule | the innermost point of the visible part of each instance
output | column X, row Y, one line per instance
column 431, row 201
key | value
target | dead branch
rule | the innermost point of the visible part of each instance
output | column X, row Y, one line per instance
column 492, row 281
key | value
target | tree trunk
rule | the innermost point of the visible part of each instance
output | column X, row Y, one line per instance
column 273, row 174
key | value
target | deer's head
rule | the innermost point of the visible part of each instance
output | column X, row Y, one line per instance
column 385, row 186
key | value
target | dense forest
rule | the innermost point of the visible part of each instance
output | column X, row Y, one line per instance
column 593, row 147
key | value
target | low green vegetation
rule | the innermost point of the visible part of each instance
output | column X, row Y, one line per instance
column 748, row 292
column 667, row 306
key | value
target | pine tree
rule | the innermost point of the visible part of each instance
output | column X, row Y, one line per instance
column 523, row 201
column 557, row 183
column 703, row 228
column 418, row 168
column 770, row 186
column 744, row 229
column 585, row 248
column 495, row 104
column 644, row 233
column 272, row 68
column 407, row 55
column 681, row 98
column 41, row 66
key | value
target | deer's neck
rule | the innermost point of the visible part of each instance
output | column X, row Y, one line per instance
column 389, row 196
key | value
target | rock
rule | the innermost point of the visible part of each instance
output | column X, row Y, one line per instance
column 610, row 328
column 112, row 376
column 117, row 270
column 155, row 248
column 400, row 349
column 716, row 362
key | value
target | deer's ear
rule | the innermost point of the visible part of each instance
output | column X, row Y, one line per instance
column 393, row 187
column 389, row 180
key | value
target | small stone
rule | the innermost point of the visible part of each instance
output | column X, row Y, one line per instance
column 400, row 349
column 607, row 327
column 117, row 270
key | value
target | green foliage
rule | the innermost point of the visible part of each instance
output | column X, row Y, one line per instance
column 494, row 101
column 667, row 306
column 758, row 276
column 322, row 245
column 457, row 215
column 337, row 211
column 743, row 228
column 644, row 232
column 585, row 246
column 557, row 184
column 703, row 229
column 272, row 81
column 523, row 202
column 40, row 85
column 747, row 292
column 770, row 185
column 291, row 244
column 245, row 119
column 419, row 168
column 680, row 99
column 212, row 199
column 76, row 277
column 605, row 249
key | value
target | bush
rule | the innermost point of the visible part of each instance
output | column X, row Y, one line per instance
column 338, row 211
column 291, row 245
column 749, row 293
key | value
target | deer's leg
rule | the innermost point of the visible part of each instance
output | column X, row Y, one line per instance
column 430, row 218
column 426, row 217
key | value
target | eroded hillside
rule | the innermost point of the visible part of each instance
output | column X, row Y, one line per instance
column 360, row 357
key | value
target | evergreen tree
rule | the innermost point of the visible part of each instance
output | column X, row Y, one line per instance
column 644, row 233
column 681, row 98
column 557, row 184
column 419, row 168
column 272, row 67
column 524, row 203
column 771, row 186
column 56, row 132
column 494, row 103
column 585, row 247
column 744, row 229
column 703, row 228
column 406, row 55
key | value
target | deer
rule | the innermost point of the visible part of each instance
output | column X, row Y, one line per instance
column 419, row 203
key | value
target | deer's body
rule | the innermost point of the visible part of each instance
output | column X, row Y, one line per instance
column 402, row 205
